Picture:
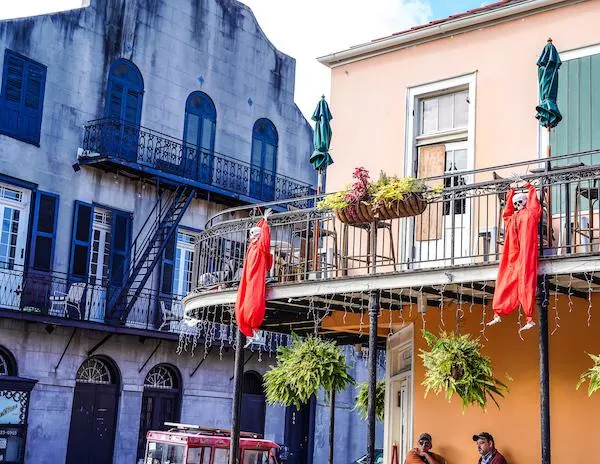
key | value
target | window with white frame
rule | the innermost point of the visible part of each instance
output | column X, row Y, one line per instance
column 440, row 142
column 444, row 112
column 184, row 258
column 100, row 253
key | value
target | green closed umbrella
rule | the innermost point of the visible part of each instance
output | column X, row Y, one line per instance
column 548, row 64
column 320, row 157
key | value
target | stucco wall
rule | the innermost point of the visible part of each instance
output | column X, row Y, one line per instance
column 369, row 97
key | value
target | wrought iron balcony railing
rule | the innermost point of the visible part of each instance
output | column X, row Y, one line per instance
column 56, row 299
column 54, row 294
column 462, row 226
column 149, row 151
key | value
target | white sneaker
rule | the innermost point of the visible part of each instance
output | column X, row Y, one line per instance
column 494, row 321
column 527, row 326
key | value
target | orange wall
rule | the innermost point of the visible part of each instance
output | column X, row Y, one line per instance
column 368, row 99
column 516, row 425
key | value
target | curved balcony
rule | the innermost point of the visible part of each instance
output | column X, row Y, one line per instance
column 116, row 145
column 451, row 251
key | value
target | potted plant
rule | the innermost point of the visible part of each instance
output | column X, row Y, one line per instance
column 454, row 364
column 362, row 400
column 592, row 375
column 303, row 368
column 387, row 198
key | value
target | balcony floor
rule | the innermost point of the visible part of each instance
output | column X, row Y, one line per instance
column 301, row 306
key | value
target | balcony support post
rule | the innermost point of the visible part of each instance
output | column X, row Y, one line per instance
column 373, row 314
column 542, row 302
column 236, row 406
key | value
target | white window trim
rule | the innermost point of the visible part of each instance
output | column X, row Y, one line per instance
column 411, row 143
column 543, row 133
column 398, row 341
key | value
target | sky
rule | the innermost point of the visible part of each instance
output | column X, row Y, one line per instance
column 292, row 27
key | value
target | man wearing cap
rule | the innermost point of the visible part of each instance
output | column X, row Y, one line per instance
column 422, row 453
column 487, row 449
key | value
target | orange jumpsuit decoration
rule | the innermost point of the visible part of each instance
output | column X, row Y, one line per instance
column 517, row 273
column 250, row 305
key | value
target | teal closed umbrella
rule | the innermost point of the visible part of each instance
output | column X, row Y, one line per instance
column 548, row 64
column 320, row 157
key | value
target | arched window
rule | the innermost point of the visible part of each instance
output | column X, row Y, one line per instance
column 252, row 383
column 124, row 92
column 264, row 160
column 199, row 136
column 161, row 376
column 95, row 370
column 123, row 109
column 8, row 365
column 160, row 402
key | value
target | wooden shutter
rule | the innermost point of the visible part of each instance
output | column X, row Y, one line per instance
column 579, row 104
column 168, row 266
column 80, row 241
column 43, row 236
column 24, row 82
column 119, row 247
column 431, row 162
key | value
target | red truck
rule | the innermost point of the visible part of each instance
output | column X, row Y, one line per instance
column 193, row 444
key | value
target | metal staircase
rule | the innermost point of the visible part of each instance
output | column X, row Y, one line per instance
column 147, row 249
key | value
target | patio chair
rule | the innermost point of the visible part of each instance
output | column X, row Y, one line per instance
column 169, row 316
column 62, row 304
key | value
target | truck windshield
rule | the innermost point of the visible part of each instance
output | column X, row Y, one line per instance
column 163, row 453
column 257, row 457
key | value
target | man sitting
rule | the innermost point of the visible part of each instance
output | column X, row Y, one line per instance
column 487, row 449
column 422, row 453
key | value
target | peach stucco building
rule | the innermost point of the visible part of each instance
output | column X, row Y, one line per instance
column 468, row 84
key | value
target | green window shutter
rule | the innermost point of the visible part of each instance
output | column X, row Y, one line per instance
column 579, row 103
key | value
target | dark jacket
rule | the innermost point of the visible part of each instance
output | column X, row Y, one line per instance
column 497, row 458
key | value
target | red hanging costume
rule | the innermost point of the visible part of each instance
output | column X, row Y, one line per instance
column 517, row 274
column 250, row 304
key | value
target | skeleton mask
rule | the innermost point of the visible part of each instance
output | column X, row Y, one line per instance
column 254, row 234
column 519, row 201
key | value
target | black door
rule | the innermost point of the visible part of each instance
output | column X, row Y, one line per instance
column 253, row 413
column 93, row 419
column 299, row 433
column 252, row 418
column 158, row 407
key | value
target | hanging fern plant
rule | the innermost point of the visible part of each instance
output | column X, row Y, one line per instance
column 454, row 364
column 592, row 375
column 362, row 400
column 303, row 368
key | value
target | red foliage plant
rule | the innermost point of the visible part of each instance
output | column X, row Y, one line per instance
column 359, row 190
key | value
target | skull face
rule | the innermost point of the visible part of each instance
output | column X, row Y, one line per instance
column 519, row 201
column 254, row 234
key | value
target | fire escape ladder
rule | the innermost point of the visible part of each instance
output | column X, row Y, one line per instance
column 147, row 249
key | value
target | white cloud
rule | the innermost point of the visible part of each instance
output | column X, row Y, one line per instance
column 304, row 29
column 307, row 29
column 22, row 8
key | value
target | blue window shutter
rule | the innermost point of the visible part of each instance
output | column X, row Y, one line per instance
column 43, row 236
column 33, row 102
column 168, row 265
column 80, row 241
column 119, row 247
column 23, row 86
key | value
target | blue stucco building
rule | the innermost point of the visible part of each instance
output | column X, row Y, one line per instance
column 124, row 125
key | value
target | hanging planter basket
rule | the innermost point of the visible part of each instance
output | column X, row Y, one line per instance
column 454, row 364
column 412, row 205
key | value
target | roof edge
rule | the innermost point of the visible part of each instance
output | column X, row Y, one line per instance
column 439, row 30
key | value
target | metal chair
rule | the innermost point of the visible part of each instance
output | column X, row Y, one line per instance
column 61, row 304
column 591, row 193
